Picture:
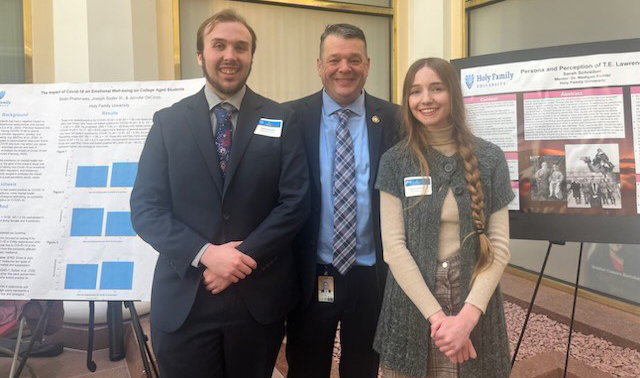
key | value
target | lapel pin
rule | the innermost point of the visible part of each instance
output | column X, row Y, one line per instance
column 375, row 119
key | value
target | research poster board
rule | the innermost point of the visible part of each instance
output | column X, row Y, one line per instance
column 568, row 120
column 68, row 160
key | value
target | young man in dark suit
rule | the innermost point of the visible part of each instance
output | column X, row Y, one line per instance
column 221, row 191
column 346, row 130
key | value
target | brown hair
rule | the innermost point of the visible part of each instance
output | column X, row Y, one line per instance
column 416, row 138
column 226, row 15
column 346, row 31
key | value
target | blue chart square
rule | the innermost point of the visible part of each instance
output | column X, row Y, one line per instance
column 119, row 224
column 81, row 276
column 123, row 174
column 116, row 276
column 92, row 177
column 87, row 222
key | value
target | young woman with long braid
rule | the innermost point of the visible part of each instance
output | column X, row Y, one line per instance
column 445, row 235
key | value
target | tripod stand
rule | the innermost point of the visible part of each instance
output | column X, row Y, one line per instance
column 533, row 298
column 141, row 338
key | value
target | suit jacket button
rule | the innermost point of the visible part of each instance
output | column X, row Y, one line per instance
column 458, row 190
column 225, row 216
column 448, row 167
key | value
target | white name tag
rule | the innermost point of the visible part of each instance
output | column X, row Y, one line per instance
column 417, row 186
column 269, row 127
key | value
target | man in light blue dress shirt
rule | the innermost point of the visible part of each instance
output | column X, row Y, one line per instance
column 356, row 294
column 365, row 250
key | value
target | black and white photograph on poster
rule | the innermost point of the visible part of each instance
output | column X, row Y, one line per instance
column 593, row 176
column 549, row 177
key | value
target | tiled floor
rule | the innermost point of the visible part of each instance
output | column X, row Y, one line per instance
column 71, row 363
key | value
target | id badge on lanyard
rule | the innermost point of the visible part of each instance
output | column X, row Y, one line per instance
column 326, row 288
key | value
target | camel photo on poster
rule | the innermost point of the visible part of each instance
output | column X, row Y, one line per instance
column 593, row 176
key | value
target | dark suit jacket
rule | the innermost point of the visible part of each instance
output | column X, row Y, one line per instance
column 382, row 135
column 180, row 202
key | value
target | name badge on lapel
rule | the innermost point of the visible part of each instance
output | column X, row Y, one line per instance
column 269, row 127
column 417, row 186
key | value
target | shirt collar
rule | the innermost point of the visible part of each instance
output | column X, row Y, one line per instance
column 330, row 106
column 235, row 100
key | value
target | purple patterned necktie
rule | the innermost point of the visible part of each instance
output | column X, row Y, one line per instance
column 344, row 197
column 224, row 134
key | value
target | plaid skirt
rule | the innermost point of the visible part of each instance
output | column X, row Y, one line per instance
column 447, row 293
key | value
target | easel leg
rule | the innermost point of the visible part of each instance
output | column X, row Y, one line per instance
column 36, row 335
column 91, row 365
column 116, row 335
column 14, row 361
column 145, row 352
column 533, row 298
column 573, row 311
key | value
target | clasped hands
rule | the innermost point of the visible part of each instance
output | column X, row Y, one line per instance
column 224, row 265
column 451, row 333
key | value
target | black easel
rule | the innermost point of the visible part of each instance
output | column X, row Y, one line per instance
column 117, row 350
column 145, row 352
column 90, row 364
column 37, row 335
column 141, row 339
column 573, row 311
column 533, row 298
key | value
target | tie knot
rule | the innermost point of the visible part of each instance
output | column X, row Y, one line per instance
column 223, row 112
column 344, row 114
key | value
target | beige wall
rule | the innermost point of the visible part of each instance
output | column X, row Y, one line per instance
column 165, row 39
column 427, row 28
column 70, row 40
column 96, row 40
column 144, row 30
column 110, row 32
column 42, row 37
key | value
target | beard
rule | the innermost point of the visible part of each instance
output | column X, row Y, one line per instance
column 228, row 91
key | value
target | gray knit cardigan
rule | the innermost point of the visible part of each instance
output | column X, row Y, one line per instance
column 403, row 333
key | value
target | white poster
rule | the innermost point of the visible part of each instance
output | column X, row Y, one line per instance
column 569, row 128
column 495, row 118
column 515, row 203
column 598, row 70
column 68, row 160
column 638, row 193
column 635, row 116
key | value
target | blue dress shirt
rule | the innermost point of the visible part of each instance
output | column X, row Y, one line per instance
column 365, row 250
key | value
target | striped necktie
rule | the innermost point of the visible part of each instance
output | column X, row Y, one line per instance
column 344, row 197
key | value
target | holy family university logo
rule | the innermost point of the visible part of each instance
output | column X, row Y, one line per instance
column 488, row 80
column 3, row 102
column 469, row 79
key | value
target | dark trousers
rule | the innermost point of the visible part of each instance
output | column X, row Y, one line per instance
column 219, row 339
column 311, row 331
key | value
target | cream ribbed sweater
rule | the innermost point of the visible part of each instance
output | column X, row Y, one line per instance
column 403, row 266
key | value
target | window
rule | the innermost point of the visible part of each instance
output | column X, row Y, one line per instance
column 12, row 56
